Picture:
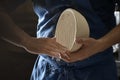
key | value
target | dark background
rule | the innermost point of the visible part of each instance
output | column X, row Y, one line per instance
column 16, row 63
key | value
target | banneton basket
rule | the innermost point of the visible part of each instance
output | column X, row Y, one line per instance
column 71, row 24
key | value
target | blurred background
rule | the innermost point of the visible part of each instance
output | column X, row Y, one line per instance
column 16, row 63
column 116, row 48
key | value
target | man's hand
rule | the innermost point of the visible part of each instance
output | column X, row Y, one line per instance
column 46, row 46
column 89, row 47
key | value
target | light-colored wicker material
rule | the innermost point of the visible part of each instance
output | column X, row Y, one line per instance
column 71, row 24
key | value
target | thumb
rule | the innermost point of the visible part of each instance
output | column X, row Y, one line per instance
column 82, row 40
column 79, row 40
column 54, row 38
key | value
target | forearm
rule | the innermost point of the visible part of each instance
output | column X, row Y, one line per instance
column 10, row 31
column 111, row 38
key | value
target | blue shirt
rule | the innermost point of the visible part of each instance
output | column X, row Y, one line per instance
column 48, row 12
column 98, row 13
column 100, row 17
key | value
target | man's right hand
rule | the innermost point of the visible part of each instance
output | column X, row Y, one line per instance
column 47, row 46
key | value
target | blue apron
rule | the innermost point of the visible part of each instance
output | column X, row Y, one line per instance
column 100, row 66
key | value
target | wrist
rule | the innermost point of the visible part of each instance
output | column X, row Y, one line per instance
column 26, row 41
column 103, row 44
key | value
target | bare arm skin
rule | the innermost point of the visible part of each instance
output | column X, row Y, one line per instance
column 112, row 37
column 11, row 32
column 92, row 46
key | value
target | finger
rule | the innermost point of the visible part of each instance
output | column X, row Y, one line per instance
column 64, row 57
column 66, row 60
column 59, row 48
column 56, row 44
column 54, row 38
column 52, row 53
column 53, row 49
column 66, row 54
column 59, row 45
column 79, row 40
column 63, row 51
column 56, row 47
column 58, row 56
